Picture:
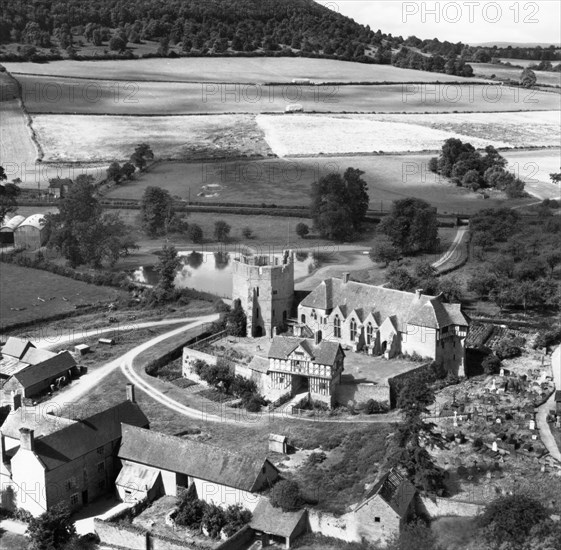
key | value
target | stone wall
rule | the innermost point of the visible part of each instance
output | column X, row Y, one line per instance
column 556, row 367
column 190, row 356
column 238, row 540
column 120, row 535
column 396, row 381
column 437, row 507
column 360, row 393
column 343, row 528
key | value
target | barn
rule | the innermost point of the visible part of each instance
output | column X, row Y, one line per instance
column 31, row 232
column 9, row 225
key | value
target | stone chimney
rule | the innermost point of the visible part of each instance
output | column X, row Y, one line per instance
column 418, row 292
column 16, row 401
column 26, row 439
column 317, row 337
column 346, row 277
column 275, row 331
column 130, row 393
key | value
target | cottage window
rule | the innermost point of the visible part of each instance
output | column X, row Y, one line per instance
column 376, row 519
column 322, row 386
column 302, row 318
column 275, row 292
column 74, row 499
column 101, row 467
column 337, row 327
column 353, row 330
column 257, row 291
column 70, row 483
column 369, row 333
column 100, row 450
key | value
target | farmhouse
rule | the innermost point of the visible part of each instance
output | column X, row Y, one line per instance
column 9, row 225
column 31, row 232
column 386, row 322
column 298, row 365
column 72, row 465
column 388, row 506
column 29, row 371
column 58, row 187
column 155, row 464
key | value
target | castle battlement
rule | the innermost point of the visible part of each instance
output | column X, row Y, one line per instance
column 266, row 260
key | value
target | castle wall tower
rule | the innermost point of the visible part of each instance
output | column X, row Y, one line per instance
column 264, row 284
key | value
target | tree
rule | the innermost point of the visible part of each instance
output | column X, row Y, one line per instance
column 286, row 495
column 117, row 44
column 528, row 78
column 195, row 233
column 221, row 230
column 127, row 170
column 167, row 267
column 411, row 225
column 156, row 210
column 247, row 232
column 114, row 172
column 451, row 288
column 384, row 251
column 302, row 230
column 142, row 153
column 399, row 278
column 357, row 190
column 415, row 394
column 491, row 364
column 236, row 320
column 52, row 529
column 9, row 193
column 511, row 518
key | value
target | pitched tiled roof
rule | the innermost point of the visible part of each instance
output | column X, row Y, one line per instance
column 190, row 457
column 53, row 367
column 34, row 356
column 88, row 434
column 324, row 354
column 274, row 521
column 35, row 419
column 137, row 476
column 10, row 365
column 409, row 307
column 16, row 347
column 259, row 364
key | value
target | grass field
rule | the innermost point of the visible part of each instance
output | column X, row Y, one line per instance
column 16, row 146
column 85, row 138
column 231, row 69
column 20, row 288
column 485, row 70
column 288, row 181
column 52, row 94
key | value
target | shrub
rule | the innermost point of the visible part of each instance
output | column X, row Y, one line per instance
column 302, row 230
column 491, row 364
column 374, row 407
column 52, row 529
column 195, row 233
column 286, row 495
column 317, row 458
column 247, row 232
column 507, row 350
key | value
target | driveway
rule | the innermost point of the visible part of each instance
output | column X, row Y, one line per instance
column 545, row 432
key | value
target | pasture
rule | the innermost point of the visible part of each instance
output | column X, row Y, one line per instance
column 259, row 70
column 21, row 288
column 52, row 94
column 340, row 134
column 287, row 182
column 502, row 72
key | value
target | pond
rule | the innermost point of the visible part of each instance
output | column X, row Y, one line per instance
column 212, row 271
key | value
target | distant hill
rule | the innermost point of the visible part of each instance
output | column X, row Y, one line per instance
column 516, row 44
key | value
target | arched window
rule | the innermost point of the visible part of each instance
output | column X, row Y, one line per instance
column 303, row 318
column 369, row 332
column 353, row 330
column 337, row 327
column 314, row 314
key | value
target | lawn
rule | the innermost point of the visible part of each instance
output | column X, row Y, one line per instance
column 454, row 533
column 287, row 182
column 53, row 94
column 346, row 134
column 12, row 541
column 21, row 288
column 231, row 69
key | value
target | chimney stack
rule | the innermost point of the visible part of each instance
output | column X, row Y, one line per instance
column 346, row 277
column 26, row 439
column 130, row 393
column 16, row 401
column 317, row 337
column 418, row 292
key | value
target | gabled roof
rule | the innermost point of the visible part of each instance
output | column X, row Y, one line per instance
column 34, row 356
column 50, row 368
column 259, row 364
column 274, row 521
column 35, row 419
column 137, row 477
column 407, row 307
column 395, row 490
column 11, row 223
column 325, row 353
column 10, row 365
column 84, row 436
column 35, row 220
column 16, row 347
column 191, row 458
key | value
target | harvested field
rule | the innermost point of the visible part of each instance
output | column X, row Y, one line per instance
column 21, row 288
column 344, row 134
column 53, row 94
column 85, row 138
column 231, row 69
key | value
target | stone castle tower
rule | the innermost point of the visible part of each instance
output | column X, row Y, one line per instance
column 264, row 284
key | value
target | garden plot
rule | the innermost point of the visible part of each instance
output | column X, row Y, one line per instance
column 83, row 138
column 294, row 135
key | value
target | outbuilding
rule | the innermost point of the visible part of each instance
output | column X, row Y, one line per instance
column 9, row 225
column 31, row 232
column 278, row 443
